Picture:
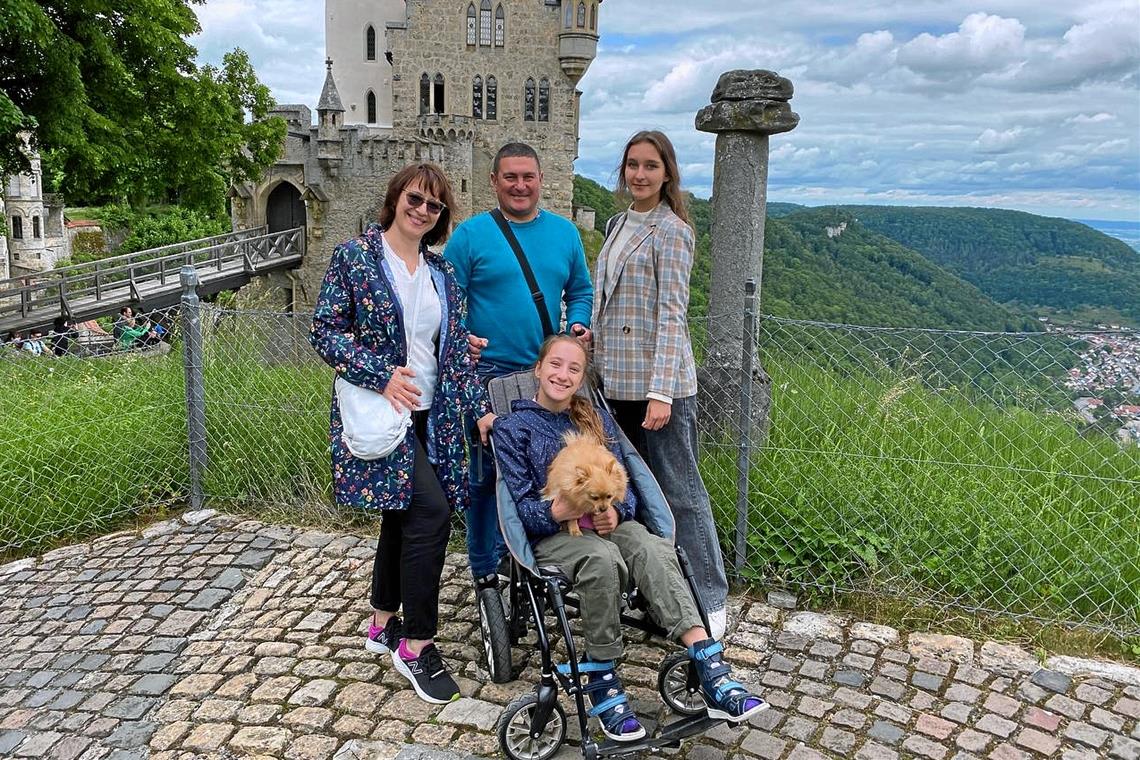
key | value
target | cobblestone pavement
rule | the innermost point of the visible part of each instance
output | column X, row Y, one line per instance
column 206, row 636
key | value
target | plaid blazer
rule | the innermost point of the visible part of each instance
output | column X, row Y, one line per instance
column 640, row 323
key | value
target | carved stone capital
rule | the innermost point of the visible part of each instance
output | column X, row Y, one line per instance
column 767, row 117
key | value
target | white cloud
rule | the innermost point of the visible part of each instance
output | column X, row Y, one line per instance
column 1095, row 118
column 992, row 141
column 982, row 44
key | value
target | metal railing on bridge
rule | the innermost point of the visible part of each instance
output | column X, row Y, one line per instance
column 149, row 277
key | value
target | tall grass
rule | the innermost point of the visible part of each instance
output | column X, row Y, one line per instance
column 871, row 481
column 85, row 442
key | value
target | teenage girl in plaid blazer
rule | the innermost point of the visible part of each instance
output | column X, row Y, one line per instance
column 643, row 352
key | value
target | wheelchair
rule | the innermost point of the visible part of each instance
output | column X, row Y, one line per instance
column 534, row 725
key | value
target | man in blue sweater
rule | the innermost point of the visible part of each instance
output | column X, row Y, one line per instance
column 501, row 314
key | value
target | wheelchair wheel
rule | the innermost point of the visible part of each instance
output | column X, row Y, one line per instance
column 513, row 730
column 673, row 685
column 496, row 635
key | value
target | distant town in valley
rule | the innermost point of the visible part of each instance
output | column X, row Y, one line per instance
column 1107, row 382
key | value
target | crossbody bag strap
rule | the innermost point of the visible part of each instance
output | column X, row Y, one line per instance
column 535, row 293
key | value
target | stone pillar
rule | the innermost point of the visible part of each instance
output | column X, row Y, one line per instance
column 747, row 107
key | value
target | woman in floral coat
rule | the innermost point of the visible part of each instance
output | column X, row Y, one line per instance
column 390, row 319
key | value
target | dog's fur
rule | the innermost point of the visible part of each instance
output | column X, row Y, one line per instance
column 587, row 477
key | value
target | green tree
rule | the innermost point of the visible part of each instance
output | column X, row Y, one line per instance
column 119, row 109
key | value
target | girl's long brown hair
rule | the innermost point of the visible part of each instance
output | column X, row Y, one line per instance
column 671, row 190
column 582, row 412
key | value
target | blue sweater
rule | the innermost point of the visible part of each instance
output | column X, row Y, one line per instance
column 526, row 442
column 499, row 304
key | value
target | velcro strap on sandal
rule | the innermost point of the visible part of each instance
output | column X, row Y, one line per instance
column 728, row 688
column 609, row 704
column 588, row 666
column 708, row 652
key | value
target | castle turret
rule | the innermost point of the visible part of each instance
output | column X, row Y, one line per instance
column 330, row 116
column 578, row 40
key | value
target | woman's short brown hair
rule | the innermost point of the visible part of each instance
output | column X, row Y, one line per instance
column 435, row 182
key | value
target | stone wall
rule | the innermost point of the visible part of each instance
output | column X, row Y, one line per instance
column 435, row 41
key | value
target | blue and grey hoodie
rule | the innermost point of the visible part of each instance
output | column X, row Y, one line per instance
column 526, row 442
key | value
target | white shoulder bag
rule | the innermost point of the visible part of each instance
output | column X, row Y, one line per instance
column 373, row 428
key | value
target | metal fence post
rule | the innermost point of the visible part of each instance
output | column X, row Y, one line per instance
column 744, row 427
column 195, row 386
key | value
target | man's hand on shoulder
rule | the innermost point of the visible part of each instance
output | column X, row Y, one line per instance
column 582, row 333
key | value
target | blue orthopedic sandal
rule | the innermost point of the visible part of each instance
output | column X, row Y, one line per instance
column 725, row 699
column 610, row 704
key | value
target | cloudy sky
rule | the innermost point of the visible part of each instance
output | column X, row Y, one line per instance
column 1025, row 104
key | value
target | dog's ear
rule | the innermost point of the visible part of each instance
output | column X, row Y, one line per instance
column 581, row 475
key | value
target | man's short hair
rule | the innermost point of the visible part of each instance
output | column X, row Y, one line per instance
column 515, row 150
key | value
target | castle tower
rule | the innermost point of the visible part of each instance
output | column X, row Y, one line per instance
column 355, row 38
column 24, row 210
column 508, row 69
column 5, row 272
column 330, row 112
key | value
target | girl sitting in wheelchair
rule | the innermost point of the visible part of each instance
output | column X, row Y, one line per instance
column 613, row 549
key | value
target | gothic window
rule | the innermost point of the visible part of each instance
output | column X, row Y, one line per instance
column 581, row 15
column 371, row 100
column 569, row 22
column 544, row 100
column 492, row 97
column 593, row 17
column 35, row 226
column 370, row 43
column 437, row 94
column 471, row 24
column 425, row 94
column 17, row 228
column 528, row 101
column 477, row 97
column 485, row 23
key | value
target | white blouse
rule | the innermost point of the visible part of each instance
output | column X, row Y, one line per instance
column 422, row 315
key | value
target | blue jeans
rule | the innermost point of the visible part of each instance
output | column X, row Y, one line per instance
column 671, row 454
column 485, row 545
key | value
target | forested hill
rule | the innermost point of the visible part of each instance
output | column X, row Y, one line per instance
column 858, row 277
column 861, row 277
column 1047, row 264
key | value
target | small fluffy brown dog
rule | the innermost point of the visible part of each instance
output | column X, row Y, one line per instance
column 587, row 477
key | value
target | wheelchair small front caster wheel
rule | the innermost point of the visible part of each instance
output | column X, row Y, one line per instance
column 518, row 740
column 679, row 688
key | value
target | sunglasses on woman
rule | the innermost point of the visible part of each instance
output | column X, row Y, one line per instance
column 415, row 200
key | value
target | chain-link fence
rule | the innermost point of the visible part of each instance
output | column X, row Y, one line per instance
column 990, row 471
column 92, row 428
column 996, row 472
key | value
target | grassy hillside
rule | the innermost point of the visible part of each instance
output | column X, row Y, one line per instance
column 1054, row 265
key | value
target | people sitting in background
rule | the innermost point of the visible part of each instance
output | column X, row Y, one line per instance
column 64, row 337
column 130, row 332
column 34, row 343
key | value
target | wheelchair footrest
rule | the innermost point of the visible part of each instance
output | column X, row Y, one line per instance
column 669, row 735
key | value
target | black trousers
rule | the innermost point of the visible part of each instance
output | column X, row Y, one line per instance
column 629, row 415
column 412, row 547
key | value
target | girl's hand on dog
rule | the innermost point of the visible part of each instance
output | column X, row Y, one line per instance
column 561, row 510
column 605, row 522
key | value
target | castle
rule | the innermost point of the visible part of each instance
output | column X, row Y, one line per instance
column 447, row 81
column 34, row 238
